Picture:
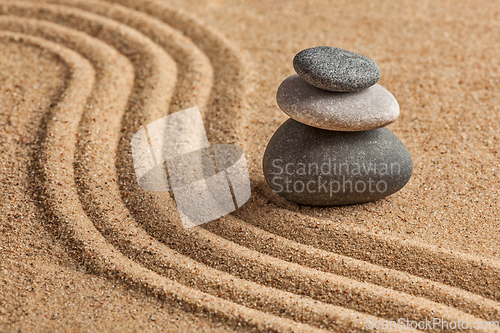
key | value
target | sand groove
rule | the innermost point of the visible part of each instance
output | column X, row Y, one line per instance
column 248, row 272
column 259, row 240
column 324, row 287
column 196, row 69
column 471, row 273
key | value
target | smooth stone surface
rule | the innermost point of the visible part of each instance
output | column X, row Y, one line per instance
column 368, row 109
column 311, row 166
column 335, row 69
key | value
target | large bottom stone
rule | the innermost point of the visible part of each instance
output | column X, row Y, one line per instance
column 317, row 167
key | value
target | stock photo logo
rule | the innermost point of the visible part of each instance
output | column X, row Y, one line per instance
column 173, row 154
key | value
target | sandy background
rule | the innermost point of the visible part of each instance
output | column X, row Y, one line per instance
column 83, row 249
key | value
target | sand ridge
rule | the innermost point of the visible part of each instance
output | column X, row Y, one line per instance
column 271, row 266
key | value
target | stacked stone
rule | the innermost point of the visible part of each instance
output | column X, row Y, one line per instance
column 335, row 149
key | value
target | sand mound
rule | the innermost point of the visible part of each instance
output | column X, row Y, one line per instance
column 270, row 266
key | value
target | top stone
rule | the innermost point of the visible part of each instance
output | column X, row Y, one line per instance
column 334, row 69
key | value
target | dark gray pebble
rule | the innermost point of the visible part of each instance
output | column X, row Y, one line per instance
column 317, row 167
column 335, row 69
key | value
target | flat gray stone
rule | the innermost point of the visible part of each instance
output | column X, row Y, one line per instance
column 316, row 167
column 367, row 109
column 335, row 69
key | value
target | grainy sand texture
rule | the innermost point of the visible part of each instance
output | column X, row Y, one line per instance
column 82, row 248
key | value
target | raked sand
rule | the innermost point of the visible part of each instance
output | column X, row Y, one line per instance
column 82, row 248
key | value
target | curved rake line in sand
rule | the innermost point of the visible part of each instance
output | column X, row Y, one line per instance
column 426, row 255
column 229, row 67
column 75, row 227
column 300, row 305
column 471, row 273
column 259, row 240
column 324, row 287
column 197, row 72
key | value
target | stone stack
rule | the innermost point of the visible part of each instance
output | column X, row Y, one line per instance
column 335, row 149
